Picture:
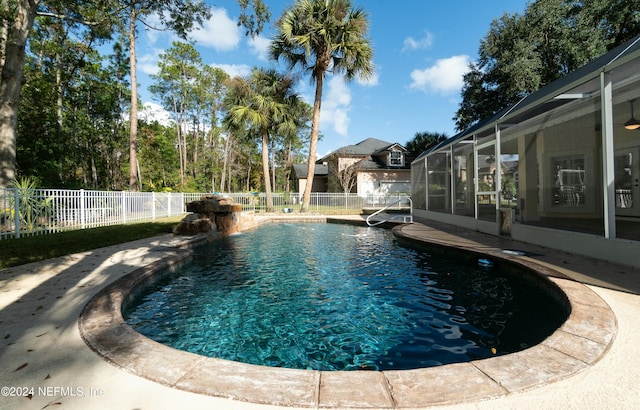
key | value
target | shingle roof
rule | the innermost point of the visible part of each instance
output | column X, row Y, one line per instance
column 364, row 147
column 388, row 147
column 300, row 170
column 373, row 163
column 369, row 149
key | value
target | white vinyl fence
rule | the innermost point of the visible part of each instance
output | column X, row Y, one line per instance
column 25, row 212
column 40, row 211
column 319, row 202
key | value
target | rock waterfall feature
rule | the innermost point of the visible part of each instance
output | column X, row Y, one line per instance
column 212, row 214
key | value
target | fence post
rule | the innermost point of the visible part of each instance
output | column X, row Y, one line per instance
column 83, row 222
column 169, row 203
column 124, row 207
column 16, row 211
column 153, row 206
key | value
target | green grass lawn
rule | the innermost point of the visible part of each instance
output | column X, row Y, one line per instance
column 15, row 252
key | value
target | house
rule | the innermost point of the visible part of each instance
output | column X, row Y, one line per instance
column 370, row 167
column 569, row 161
column 299, row 177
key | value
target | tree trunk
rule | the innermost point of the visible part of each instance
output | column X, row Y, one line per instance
column 59, row 110
column 230, row 172
column 265, row 169
column 196, row 146
column 138, row 173
column 287, row 188
column 14, row 41
column 273, row 166
column 184, row 131
column 94, row 172
column 59, row 91
column 178, row 122
column 133, row 117
column 313, row 145
column 225, row 162
column 249, row 174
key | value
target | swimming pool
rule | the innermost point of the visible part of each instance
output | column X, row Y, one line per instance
column 580, row 343
column 339, row 297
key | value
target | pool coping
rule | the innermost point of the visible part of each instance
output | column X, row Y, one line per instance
column 577, row 345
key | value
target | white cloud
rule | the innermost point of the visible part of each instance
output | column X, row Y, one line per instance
column 336, row 105
column 444, row 77
column 219, row 32
column 341, row 121
column 148, row 63
column 153, row 112
column 371, row 82
column 260, row 47
column 240, row 70
column 153, row 35
column 412, row 44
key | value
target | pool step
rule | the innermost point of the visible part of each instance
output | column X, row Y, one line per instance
column 405, row 218
column 389, row 217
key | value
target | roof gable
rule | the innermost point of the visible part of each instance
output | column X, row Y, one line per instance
column 392, row 147
column 300, row 170
column 364, row 147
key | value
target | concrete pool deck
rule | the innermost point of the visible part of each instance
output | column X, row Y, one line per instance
column 42, row 352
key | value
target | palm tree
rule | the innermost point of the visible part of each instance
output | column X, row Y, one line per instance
column 323, row 36
column 266, row 103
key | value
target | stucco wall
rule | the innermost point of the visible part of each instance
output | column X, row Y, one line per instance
column 383, row 182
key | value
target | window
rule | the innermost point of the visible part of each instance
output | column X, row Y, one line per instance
column 569, row 189
column 396, row 159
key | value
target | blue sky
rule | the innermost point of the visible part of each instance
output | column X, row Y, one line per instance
column 421, row 50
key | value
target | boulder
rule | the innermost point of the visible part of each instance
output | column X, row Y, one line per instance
column 211, row 214
column 209, row 204
column 222, row 200
column 194, row 224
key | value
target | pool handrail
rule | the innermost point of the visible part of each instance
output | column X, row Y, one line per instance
column 405, row 218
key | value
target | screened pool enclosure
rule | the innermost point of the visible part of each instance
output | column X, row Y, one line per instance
column 561, row 168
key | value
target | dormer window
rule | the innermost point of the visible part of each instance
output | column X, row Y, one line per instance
column 396, row 159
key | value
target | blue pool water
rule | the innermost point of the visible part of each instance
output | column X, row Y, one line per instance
column 339, row 297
